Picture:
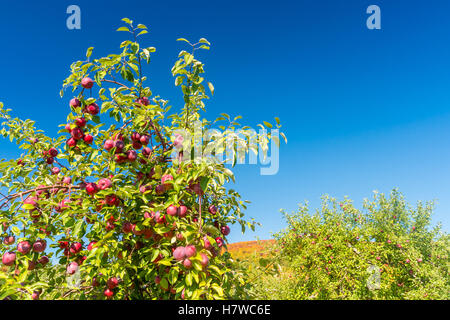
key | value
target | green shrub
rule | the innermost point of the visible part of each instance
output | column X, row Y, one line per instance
column 115, row 207
column 388, row 250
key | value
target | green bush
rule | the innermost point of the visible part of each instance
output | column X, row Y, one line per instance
column 388, row 250
column 114, row 207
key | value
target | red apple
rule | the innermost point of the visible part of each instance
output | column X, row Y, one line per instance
column 206, row 243
column 71, row 142
column 72, row 268
column 135, row 231
column 39, row 245
column 180, row 237
column 32, row 265
column 137, row 145
column 75, row 103
column 93, row 109
column 109, row 144
column 44, row 260
column 144, row 140
column 127, row 227
column 179, row 253
column 148, row 233
column 112, row 283
column 131, row 155
column 135, row 136
column 225, row 230
column 178, row 143
column 144, row 101
column 76, row 247
column 8, row 240
column 212, row 209
column 67, row 180
column 108, row 293
column 91, row 188
column 53, row 152
column 77, row 133
column 112, row 200
column 219, row 241
column 146, row 151
column 63, row 244
column 159, row 218
column 31, row 201
column 205, row 260
column 165, row 178
column 159, row 189
column 79, row 122
column 88, row 139
column 91, row 245
column 182, row 211
column 110, row 226
column 119, row 145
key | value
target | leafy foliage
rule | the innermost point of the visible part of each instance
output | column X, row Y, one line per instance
column 109, row 181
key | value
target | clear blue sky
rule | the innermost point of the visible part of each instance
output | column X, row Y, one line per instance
column 363, row 109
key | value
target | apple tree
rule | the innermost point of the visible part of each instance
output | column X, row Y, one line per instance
column 388, row 250
column 117, row 206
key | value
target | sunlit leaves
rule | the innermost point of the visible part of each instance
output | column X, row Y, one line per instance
column 211, row 87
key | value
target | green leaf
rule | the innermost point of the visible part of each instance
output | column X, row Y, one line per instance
column 15, row 230
column 229, row 173
column 134, row 47
column 179, row 80
column 164, row 284
column 77, row 228
column 217, row 288
column 204, row 183
column 123, row 29
column 173, row 275
column 89, row 52
column 183, row 39
column 142, row 32
column 127, row 74
column 188, row 279
column 28, row 206
column 188, row 58
column 203, row 40
column 165, row 262
column 267, row 124
column 155, row 254
column 211, row 87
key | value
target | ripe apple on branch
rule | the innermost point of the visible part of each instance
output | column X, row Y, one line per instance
column 108, row 202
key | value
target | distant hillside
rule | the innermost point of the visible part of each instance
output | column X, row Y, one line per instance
column 247, row 249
